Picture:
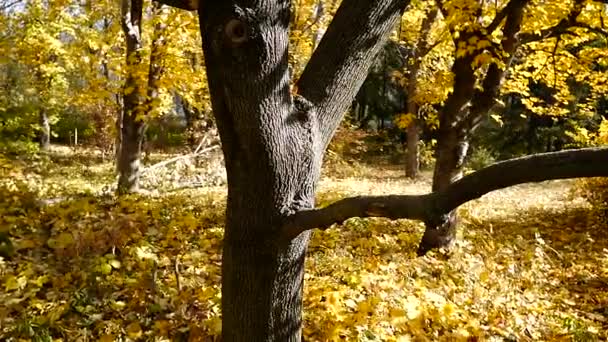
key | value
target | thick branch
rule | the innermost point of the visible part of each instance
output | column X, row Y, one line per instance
column 341, row 62
column 588, row 162
column 483, row 100
column 500, row 16
column 596, row 30
column 423, row 47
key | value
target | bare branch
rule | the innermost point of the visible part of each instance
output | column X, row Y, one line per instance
column 164, row 163
column 483, row 100
column 590, row 28
column 7, row 4
column 588, row 162
column 316, row 17
column 340, row 63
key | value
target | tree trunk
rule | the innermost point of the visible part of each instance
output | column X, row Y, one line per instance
column 262, row 284
column 134, row 95
column 413, row 134
column 273, row 141
column 118, row 132
column 129, row 159
column 451, row 152
column 412, row 161
column 272, row 165
column 45, row 131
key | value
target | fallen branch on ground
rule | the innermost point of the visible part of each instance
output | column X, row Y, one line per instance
column 164, row 163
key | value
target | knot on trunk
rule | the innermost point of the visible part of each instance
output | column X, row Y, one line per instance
column 236, row 31
column 303, row 109
column 241, row 28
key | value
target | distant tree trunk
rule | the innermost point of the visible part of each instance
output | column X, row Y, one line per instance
column 318, row 34
column 118, row 139
column 413, row 156
column 134, row 95
column 413, row 131
column 45, row 130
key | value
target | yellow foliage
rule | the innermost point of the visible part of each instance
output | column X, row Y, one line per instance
column 362, row 280
column 403, row 121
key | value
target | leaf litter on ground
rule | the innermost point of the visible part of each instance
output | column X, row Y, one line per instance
column 531, row 263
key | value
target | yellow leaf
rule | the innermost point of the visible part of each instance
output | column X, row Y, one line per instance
column 484, row 276
column 448, row 309
column 14, row 283
column 114, row 263
column 134, row 330
column 497, row 118
column 106, row 338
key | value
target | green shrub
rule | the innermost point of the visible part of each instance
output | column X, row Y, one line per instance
column 26, row 148
column 480, row 158
column 426, row 154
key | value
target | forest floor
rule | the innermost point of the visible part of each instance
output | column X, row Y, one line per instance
column 531, row 262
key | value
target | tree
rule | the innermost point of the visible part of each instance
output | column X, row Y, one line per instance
column 145, row 94
column 273, row 140
column 485, row 49
column 422, row 48
column 134, row 97
column 38, row 44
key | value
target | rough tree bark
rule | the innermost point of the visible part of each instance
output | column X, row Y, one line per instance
column 134, row 95
column 273, row 143
column 274, row 140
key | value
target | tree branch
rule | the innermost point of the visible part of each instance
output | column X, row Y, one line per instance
column 190, row 5
column 588, row 162
column 423, row 46
column 483, row 100
column 502, row 15
column 560, row 28
column 590, row 28
column 164, row 163
column 340, row 63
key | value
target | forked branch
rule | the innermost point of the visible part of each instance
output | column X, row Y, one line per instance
column 588, row 162
column 340, row 63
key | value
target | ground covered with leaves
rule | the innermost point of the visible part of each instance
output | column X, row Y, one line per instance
column 531, row 263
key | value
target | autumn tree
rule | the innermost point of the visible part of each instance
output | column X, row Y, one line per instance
column 37, row 63
column 485, row 47
column 274, row 139
column 147, row 91
column 421, row 45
